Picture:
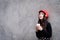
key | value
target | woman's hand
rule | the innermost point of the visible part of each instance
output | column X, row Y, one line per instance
column 38, row 27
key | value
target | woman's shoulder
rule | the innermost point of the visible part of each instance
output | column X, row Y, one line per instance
column 48, row 25
column 48, row 22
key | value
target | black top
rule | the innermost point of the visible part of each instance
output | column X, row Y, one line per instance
column 45, row 33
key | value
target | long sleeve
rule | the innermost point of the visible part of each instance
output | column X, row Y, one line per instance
column 48, row 31
column 45, row 33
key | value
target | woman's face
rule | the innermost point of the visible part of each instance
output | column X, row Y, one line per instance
column 41, row 15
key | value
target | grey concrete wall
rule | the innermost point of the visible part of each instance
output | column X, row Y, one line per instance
column 19, row 17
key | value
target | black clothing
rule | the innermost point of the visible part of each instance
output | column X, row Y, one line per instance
column 45, row 33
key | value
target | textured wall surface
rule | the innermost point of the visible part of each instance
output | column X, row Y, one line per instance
column 19, row 17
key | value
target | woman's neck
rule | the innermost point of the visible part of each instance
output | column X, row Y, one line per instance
column 41, row 20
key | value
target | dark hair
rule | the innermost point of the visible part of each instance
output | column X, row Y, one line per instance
column 43, row 21
column 44, row 18
column 45, row 13
column 41, row 11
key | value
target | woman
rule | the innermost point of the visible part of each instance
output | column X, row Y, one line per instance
column 43, row 28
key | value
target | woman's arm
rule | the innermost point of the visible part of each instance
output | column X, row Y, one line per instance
column 49, row 30
column 46, row 33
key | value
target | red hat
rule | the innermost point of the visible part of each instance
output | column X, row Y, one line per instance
column 45, row 12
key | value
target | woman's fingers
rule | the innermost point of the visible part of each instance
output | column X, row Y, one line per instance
column 38, row 27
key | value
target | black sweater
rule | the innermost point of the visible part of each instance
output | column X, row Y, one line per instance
column 45, row 33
